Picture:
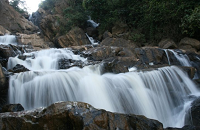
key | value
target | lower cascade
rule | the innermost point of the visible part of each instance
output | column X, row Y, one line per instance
column 164, row 94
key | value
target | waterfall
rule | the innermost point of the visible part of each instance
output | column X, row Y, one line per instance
column 91, row 39
column 8, row 39
column 163, row 94
column 44, row 59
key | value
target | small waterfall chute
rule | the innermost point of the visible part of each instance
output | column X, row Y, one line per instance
column 8, row 39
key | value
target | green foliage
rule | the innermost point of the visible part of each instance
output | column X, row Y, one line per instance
column 19, row 5
column 156, row 18
column 191, row 22
column 75, row 14
column 47, row 4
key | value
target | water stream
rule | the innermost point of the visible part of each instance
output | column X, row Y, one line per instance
column 163, row 94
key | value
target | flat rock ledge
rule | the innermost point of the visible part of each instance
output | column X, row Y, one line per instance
column 75, row 116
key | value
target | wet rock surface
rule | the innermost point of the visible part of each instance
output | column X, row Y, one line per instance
column 75, row 115
column 12, row 108
column 195, row 112
column 19, row 68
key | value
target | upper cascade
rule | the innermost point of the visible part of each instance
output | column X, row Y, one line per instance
column 8, row 39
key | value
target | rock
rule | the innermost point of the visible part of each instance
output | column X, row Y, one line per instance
column 7, row 51
column 167, row 44
column 77, row 116
column 189, row 44
column 189, row 70
column 75, row 37
column 187, row 127
column 19, row 68
column 92, row 32
column 3, row 87
column 67, row 63
column 35, row 40
column 118, row 42
column 2, row 77
column 36, row 17
column 107, row 34
column 12, row 108
column 3, row 31
column 195, row 112
column 120, row 30
column 13, row 21
column 151, row 55
column 50, row 26
column 100, row 53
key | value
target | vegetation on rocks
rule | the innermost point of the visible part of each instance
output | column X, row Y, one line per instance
column 19, row 5
column 152, row 18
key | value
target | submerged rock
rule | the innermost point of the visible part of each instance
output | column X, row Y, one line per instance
column 77, row 116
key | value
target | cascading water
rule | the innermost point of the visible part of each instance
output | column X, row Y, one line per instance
column 183, row 59
column 8, row 39
column 44, row 59
column 162, row 94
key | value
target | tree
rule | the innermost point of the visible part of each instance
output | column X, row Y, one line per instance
column 19, row 5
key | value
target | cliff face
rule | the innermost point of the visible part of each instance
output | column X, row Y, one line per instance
column 14, row 21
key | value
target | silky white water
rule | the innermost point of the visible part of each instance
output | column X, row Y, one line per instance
column 8, row 39
column 161, row 94
column 44, row 59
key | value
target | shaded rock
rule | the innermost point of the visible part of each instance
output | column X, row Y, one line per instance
column 92, row 32
column 167, row 44
column 189, row 44
column 2, row 77
column 7, row 51
column 187, row 127
column 14, row 21
column 195, row 112
column 19, row 68
column 106, row 34
column 77, row 116
column 119, row 42
column 75, row 37
column 3, row 87
column 35, row 40
column 120, row 30
column 12, row 108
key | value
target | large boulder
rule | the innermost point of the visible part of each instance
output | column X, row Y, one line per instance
column 75, row 116
column 13, row 21
column 7, row 51
column 167, row 44
column 189, row 44
column 35, row 40
column 75, row 37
